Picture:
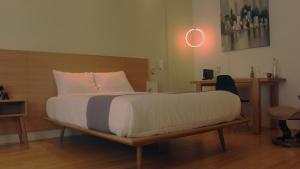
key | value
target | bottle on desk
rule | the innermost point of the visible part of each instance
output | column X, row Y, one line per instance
column 252, row 72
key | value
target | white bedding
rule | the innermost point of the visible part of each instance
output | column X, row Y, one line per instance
column 143, row 114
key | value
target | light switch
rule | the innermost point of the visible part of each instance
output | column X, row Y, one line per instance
column 161, row 64
column 152, row 86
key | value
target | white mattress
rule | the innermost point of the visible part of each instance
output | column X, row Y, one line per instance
column 142, row 114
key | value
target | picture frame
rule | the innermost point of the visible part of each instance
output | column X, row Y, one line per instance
column 244, row 24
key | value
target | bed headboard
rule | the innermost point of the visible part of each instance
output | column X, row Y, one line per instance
column 27, row 74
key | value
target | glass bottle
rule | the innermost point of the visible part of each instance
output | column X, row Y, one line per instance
column 252, row 72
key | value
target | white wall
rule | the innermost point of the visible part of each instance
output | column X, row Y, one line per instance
column 106, row 26
column 132, row 28
column 180, row 57
column 284, row 24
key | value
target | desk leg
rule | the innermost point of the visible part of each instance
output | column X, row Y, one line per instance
column 256, row 106
column 198, row 88
column 274, row 101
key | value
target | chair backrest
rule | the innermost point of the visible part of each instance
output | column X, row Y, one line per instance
column 226, row 83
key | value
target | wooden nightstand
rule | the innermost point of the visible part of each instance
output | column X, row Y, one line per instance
column 15, row 109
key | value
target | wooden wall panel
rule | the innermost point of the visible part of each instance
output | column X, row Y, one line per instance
column 27, row 74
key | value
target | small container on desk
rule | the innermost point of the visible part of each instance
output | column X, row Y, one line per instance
column 15, row 109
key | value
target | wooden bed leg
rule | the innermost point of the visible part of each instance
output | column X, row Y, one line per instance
column 222, row 140
column 62, row 133
column 139, row 152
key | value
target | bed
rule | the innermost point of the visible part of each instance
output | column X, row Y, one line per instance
column 28, row 74
column 136, row 115
column 114, row 111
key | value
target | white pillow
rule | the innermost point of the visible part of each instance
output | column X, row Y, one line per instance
column 112, row 82
column 74, row 83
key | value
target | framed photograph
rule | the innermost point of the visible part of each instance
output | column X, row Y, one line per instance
column 244, row 24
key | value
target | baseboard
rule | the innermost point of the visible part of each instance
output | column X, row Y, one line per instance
column 34, row 136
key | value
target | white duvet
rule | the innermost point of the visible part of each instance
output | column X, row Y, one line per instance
column 144, row 114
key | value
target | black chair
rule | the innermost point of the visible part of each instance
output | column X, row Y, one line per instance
column 226, row 83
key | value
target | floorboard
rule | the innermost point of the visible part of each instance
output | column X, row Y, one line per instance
column 244, row 151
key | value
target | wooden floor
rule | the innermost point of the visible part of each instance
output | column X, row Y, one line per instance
column 245, row 151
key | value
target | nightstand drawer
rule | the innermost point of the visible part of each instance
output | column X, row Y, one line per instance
column 13, row 107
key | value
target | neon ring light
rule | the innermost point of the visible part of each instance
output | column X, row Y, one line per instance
column 198, row 44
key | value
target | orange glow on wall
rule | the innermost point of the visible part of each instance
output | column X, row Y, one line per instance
column 195, row 38
column 179, row 42
column 211, row 43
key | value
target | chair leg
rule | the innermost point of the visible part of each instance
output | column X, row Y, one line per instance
column 244, row 115
column 222, row 140
column 139, row 153
column 62, row 133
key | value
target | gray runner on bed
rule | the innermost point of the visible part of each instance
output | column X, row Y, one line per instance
column 98, row 109
column 98, row 112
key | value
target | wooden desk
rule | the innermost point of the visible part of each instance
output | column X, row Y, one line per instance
column 255, row 85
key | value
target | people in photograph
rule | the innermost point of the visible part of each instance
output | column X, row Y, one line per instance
column 245, row 24
column 247, row 18
column 256, row 22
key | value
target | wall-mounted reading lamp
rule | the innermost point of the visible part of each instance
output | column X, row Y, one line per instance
column 201, row 38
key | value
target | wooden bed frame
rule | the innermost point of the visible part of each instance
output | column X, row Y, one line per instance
column 28, row 75
column 138, row 143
